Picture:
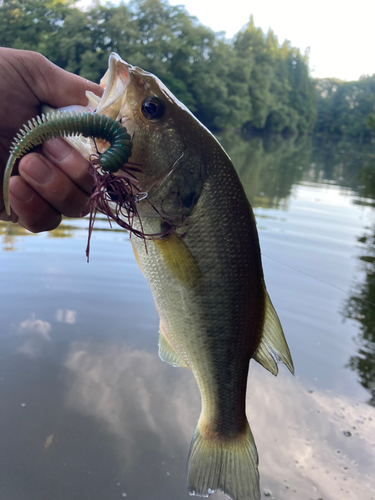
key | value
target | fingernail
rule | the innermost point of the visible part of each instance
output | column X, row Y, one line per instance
column 23, row 192
column 57, row 148
column 38, row 169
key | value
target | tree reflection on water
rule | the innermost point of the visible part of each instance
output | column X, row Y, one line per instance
column 9, row 233
column 268, row 166
column 361, row 307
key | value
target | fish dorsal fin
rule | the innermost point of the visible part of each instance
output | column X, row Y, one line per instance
column 167, row 353
column 273, row 348
column 179, row 260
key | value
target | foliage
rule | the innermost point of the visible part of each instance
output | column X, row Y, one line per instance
column 346, row 108
column 250, row 81
column 280, row 90
column 371, row 119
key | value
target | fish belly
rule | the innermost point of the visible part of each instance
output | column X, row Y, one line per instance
column 207, row 283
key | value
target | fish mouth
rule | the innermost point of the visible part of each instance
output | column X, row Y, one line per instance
column 115, row 82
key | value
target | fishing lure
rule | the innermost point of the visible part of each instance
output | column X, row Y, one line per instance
column 41, row 129
column 115, row 196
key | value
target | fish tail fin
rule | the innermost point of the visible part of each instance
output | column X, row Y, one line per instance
column 226, row 464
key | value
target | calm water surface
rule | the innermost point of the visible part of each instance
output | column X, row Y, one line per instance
column 89, row 412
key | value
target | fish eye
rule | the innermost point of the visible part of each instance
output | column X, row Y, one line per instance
column 152, row 109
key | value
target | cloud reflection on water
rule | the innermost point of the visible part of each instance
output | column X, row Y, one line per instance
column 34, row 326
column 66, row 316
column 99, row 418
column 133, row 392
column 37, row 332
column 301, row 441
column 303, row 451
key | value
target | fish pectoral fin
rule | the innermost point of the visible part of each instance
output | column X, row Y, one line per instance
column 179, row 260
column 273, row 348
column 167, row 353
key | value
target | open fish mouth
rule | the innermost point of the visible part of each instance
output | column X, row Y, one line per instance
column 118, row 194
column 113, row 102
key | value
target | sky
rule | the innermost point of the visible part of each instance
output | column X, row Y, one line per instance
column 339, row 33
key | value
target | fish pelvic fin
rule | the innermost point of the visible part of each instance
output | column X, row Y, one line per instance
column 273, row 348
column 226, row 464
column 167, row 352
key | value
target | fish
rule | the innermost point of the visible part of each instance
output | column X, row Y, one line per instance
column 202, row 261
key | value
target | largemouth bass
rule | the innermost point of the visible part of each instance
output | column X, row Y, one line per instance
column 205, row 276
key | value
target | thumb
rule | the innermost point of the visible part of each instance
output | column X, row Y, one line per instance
column 53, row 85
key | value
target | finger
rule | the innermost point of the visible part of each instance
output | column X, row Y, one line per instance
column 69, row 161
column 53, row 185
column 53, row 85
column 13, row 217
column 34, row 213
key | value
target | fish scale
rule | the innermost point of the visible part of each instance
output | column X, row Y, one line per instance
column 204, row 270
column 207, row 282
column 221, row 306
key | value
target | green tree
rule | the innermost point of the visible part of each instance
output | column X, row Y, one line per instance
column 251, row 80
column 345, row 108
column 281, row 92
column 29, row 23
column 371, row 119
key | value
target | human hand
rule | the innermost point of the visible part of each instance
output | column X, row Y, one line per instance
column 54, row 181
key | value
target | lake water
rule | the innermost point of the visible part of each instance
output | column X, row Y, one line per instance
column 88, row 410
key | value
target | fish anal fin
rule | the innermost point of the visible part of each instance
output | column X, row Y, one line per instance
column 167, row 353
column 179, row 260
column 273, row 347
column 226, row 464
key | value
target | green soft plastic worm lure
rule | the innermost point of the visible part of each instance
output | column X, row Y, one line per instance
column 57, row 124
